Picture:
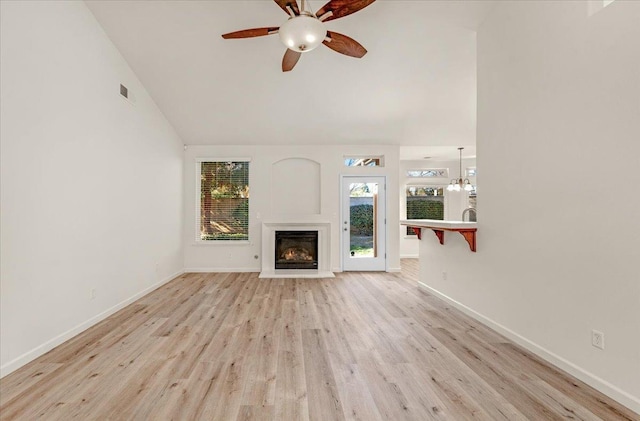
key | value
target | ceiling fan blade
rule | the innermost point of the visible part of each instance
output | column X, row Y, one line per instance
column 344, row 45
column 250, row 33
column 340, row 8
column 291, row 3
column 289, row 60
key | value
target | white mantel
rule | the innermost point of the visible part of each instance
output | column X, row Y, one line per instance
column 268, row 249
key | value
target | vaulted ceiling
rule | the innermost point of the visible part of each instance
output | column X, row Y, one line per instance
column 415, row 87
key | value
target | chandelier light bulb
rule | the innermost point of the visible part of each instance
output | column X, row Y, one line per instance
column 467, row 185
column 302, row 33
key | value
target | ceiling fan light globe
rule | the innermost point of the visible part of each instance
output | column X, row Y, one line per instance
column 302, row 33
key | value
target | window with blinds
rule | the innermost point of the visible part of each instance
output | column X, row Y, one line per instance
column 223, row 201
column 424, row 202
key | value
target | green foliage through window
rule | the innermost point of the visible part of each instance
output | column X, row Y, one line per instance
column 224, row 201
column 424, row 203
column 362, row 220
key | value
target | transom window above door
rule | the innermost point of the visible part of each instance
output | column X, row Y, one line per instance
column 366, row 161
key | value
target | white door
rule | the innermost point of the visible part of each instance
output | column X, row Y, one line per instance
column 363, row 224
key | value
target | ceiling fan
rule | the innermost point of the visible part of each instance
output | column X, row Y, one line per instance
column 305, row 30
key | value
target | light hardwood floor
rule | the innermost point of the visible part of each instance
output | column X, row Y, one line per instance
column 363, row 346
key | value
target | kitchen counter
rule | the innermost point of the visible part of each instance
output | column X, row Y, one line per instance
column 466, row 229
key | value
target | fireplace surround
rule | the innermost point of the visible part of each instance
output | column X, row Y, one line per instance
column 322, row 267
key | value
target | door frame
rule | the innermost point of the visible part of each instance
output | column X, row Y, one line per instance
column 342, row 216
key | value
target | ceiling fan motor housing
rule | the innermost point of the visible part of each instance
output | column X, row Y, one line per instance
column 302, row 33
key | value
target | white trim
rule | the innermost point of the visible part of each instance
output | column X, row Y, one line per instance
column 410, row 256
column 223, row 160
column 42, row 349
column 218, row 243
column 342, row 217
column 220, row 270
column 196, row 197
column 293, row 273
column 591, row 379
column 394, row 270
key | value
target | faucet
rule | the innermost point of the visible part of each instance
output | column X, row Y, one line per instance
column 472, row 214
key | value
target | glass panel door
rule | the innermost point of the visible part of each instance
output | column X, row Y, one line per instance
column 363, row 224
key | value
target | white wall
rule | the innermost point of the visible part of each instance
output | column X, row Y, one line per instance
column 454, row 202
column 225, row 257
column 558, row 228
column 91, row 184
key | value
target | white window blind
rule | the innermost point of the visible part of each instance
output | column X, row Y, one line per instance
column 223, row 201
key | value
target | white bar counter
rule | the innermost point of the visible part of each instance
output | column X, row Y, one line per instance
column 466, row 229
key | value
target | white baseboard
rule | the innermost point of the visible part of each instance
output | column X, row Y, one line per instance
column 409, row 256
column 221, row 270
column 394, row 270
column 29, row 356
column 592, row 380
column 293, row 273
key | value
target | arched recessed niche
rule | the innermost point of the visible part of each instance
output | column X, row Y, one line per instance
column 295, row 187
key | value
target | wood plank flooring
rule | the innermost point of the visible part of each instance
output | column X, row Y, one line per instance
column 230, row 346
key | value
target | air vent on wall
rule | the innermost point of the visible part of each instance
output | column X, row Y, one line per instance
column 124, row 91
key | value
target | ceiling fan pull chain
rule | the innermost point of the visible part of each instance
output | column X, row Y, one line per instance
column 460, row 163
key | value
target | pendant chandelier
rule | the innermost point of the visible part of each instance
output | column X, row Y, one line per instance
column 460, row 184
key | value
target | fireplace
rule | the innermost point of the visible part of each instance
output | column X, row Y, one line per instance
column 322, row 256
column 296, row 250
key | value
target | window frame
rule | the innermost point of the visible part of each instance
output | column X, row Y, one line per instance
column 198, row 192
column 445, row 199
column 379, row 158
column 439, row 173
